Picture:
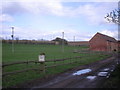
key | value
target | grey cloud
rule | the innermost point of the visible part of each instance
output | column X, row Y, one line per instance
column 12, row 8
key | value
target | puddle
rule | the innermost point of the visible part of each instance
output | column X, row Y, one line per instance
column 83, row 71
column 108, row 76
column 104, row 74
column 91, row 77
column 106, row 69
column 112, row 70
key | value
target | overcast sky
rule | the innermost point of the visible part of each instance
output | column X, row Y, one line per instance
column 33, row 19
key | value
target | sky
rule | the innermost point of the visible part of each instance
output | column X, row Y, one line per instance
column 36, row 20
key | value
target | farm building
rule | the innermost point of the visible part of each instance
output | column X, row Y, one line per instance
column 101, row 42
column 119, row 45
column 60, row 41
column 79, row 43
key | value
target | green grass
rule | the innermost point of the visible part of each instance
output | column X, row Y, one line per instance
column 27, row 52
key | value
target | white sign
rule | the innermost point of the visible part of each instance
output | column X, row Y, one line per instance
column 41, row 58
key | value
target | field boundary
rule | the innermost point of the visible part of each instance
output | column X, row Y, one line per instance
column 40, row 69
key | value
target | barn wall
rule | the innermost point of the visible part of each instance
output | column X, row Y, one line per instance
column 114, row 46
column 98, row 44
column 118, row 45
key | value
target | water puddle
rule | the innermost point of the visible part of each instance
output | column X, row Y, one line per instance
column 112, row 70
column 106, row 69
column 83, row 71
column 108, row 76
column 103, row 74
column 91, row 77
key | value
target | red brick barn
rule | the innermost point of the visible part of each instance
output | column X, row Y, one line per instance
column 101, row 42
column 119, row 45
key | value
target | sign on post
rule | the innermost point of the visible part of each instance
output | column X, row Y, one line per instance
column 42, row 57
column 42, row 62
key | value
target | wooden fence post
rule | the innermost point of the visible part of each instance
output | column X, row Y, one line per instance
column 70, row 60
column 55, row 62
column 75, row 59
column 42, row 67
column 63, row 61
column 42, row 62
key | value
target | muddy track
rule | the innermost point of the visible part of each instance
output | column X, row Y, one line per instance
column 68, row 80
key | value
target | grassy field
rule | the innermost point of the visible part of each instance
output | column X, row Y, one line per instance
column 27, row 52
column 30, row 52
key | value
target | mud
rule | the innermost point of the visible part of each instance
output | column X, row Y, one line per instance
column 90, row 79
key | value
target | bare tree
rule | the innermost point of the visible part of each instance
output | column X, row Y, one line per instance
column 114, row 16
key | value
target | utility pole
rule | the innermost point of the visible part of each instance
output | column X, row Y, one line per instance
column 74, row 40
column 62, row 41
column 12, row 39
column 74, row 43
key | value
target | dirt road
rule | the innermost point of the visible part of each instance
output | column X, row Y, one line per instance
column 86, row 76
